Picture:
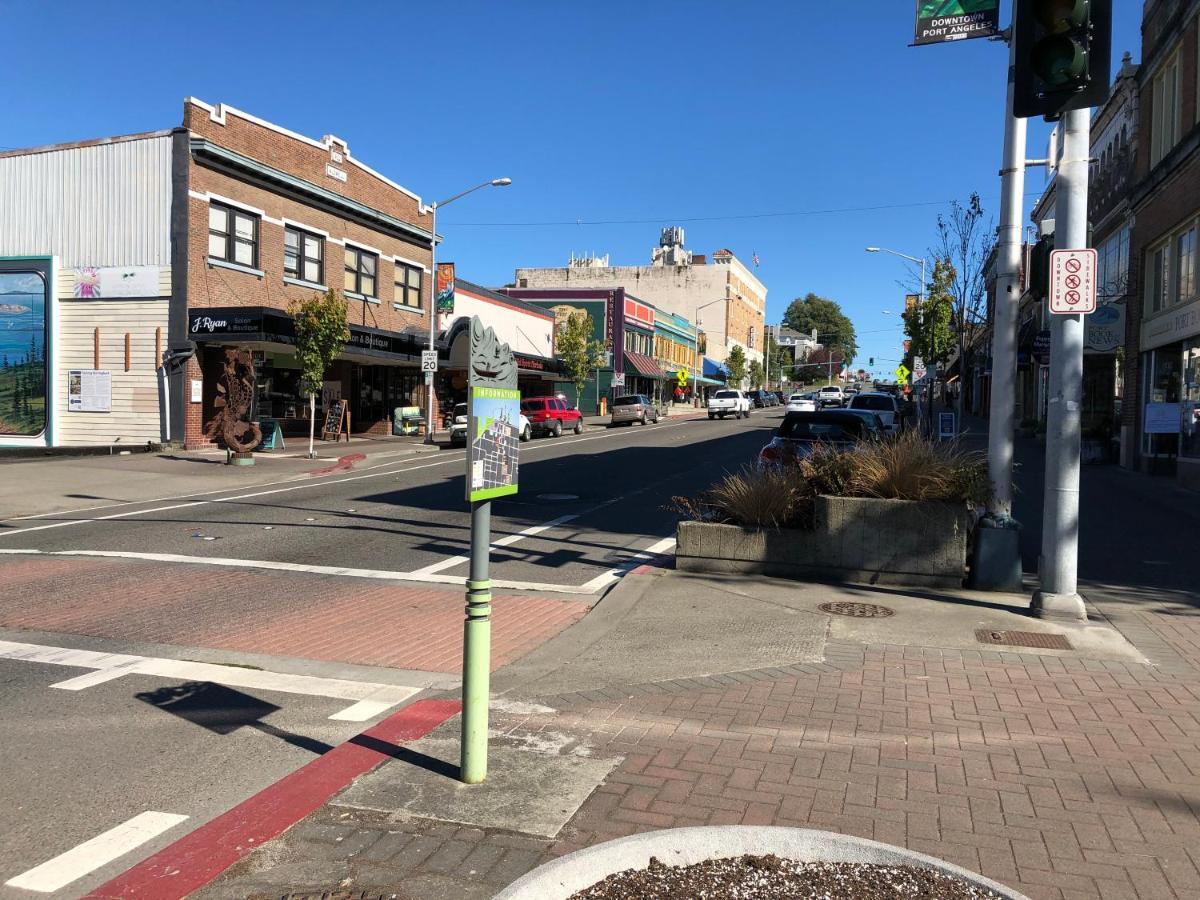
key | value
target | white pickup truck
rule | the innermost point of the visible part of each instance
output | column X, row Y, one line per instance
column 729, row 403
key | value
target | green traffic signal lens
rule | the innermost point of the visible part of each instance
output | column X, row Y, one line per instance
column 1060, row 62
column 1059, row 16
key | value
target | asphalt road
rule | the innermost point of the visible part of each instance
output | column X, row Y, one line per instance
column 587, row 506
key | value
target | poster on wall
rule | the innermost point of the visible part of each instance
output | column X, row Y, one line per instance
column 939, row 21
column 89, row 390
column 23, row 312
column 107, row 282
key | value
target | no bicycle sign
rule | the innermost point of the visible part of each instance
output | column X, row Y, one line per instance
column 1072, row 282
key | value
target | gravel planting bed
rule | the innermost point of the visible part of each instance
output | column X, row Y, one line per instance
column 769, row 877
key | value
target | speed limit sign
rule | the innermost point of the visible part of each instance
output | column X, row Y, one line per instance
column 429, row 361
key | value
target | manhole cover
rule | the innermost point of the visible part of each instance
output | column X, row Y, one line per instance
column 1024, row 639
column 557, row 498
column 856, row 610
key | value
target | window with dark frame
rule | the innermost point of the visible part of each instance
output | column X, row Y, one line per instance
column 303, row 255
column 360, row 269
column 406, row 290
column 232, row 235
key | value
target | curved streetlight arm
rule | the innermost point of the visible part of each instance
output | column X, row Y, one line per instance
column 495, row 182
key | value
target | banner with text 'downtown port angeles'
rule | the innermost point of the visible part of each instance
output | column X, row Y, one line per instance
column 939, row 21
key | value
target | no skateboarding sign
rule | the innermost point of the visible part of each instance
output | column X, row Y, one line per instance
column 1072, row 282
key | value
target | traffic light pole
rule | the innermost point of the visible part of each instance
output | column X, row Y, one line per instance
column 1008, row 300
column 1058, row 570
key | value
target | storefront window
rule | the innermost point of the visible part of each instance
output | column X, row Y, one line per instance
column 1189, row 445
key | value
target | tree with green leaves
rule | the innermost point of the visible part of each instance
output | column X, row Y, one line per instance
column 735, row 366
column 321, row 333
column 834, row 329
column 578, row 350
column 928, row 323
column 755, row 373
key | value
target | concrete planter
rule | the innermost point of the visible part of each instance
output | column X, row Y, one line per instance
column 856, row 539
column 563, row 877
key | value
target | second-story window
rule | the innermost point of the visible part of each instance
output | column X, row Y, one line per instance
column 360, row 271
column 303, row 256
column 232, row 235
column 406, row 290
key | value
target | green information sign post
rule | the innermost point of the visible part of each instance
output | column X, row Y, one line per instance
column 494, row 425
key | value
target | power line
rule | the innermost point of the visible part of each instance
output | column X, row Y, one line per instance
column 722, row 218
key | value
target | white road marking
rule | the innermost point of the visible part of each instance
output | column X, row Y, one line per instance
column 291, row 485
column 57, row 873
column 507, row 541
column 376, row 574
column 370, row 697
column 602, row 580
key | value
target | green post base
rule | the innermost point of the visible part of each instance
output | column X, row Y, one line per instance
column 477, row 653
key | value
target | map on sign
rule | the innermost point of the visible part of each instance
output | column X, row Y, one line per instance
column 1072, row 282
column 494, row 417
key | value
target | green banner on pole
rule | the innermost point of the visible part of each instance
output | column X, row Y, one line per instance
column 941, row 21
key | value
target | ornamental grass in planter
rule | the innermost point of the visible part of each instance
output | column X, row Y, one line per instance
column 908, row 467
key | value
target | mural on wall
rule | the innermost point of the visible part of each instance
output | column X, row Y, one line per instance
column 23, row 308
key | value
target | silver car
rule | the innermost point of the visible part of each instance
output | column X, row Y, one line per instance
column 634, row 408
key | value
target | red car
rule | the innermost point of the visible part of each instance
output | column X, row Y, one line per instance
column 551, row 415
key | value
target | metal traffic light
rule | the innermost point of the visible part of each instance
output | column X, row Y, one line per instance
column 1062, row 51
column 1039, row 266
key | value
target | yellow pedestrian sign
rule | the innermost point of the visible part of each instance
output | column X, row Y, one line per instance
column 902, row 374
column 681, row 377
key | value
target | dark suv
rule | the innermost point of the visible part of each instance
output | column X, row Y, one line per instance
column 551, row 415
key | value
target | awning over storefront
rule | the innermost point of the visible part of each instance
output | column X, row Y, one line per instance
column 643, row 365
column 714, row 370
column 249, row 325
column 701, row 379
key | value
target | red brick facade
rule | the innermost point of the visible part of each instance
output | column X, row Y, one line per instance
column 210, row 285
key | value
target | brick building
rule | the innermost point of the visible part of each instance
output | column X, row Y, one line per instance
column 1161, row 415
column 722, row 297
column 272, row 217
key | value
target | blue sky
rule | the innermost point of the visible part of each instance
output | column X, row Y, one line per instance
column 640, row 114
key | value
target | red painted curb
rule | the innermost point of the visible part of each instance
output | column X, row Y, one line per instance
column 197, row 858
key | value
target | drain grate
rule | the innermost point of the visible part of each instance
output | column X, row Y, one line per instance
column 1037, row 639
column 856, row 610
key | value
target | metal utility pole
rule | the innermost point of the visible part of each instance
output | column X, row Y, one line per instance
column 1058, row 596
column 1002, row 404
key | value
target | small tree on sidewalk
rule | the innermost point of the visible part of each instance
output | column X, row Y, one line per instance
column 735, row 366
column 321, row 332
column 578, row 350
column 756, row 373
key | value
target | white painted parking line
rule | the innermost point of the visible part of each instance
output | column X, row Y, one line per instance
column 57, row 873
column 507, row 541
column 370, row 698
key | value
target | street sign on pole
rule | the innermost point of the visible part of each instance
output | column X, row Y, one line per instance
column 618, row 379
column 918, row 368
column 902, row 374
column 429, row 361
column 1072, row 282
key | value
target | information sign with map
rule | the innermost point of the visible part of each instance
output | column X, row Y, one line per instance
column 493, row 417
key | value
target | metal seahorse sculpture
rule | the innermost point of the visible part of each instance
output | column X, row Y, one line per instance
column 234, row 401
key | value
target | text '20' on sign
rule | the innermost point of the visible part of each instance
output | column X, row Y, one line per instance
column 1072, row 282
column 429, row 361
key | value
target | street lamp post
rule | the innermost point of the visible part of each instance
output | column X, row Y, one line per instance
column 699, row 325
column 920, row 307
column 433, row 313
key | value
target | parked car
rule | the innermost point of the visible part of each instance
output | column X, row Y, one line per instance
column 830, row 395
column 634, row 408
column 728, row 403
column 782, row 398
column 551, row 415
column 458, row 426
column 801, row 403
column 884, row 405
column 801, row 432
column 878, row 429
